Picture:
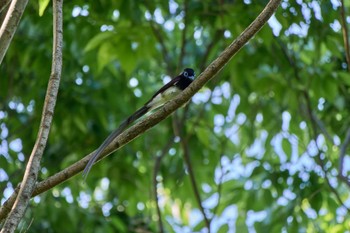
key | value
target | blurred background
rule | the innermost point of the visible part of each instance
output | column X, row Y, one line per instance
column 265, row 140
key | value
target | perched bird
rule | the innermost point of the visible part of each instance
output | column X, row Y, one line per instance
column 163, row 95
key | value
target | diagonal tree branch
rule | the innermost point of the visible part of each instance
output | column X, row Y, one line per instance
column 9, row 26
column 31, row 173
column 148, row 122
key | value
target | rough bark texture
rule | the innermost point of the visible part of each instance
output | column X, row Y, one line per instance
column 30, row 176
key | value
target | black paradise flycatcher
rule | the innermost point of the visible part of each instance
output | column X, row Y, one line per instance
column 163, row 95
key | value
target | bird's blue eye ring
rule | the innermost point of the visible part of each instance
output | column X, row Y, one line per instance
column 185, row 74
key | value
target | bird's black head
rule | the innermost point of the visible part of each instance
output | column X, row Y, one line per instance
column 188, row 73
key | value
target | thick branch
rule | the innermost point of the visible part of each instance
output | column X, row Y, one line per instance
column 148, row 122
column 9, row 26
column 33, row 166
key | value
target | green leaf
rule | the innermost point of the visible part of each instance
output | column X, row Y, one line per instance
column 99, row 39
column 119, row 224
column 267, row 196
column 199, row 226
column 316, row 201
column 80, row 124
column 287, row 147
column 203, row 135
column 42, row 6
column 126, row 56
column 330, row 89
column 223, row 229
column 345, row 77
column 105, row 55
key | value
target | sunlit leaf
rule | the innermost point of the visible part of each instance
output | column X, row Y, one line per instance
column 42, row 6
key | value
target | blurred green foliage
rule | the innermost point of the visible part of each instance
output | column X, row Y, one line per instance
column 259, row 160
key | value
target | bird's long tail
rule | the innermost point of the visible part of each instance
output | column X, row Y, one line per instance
column 139, row 113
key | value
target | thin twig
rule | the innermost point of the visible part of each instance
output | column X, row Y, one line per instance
column 317, row 124
column 33, row 166
column 3, row 4
column 315, row 121
column 155, row 182
column 184, row 35
column 29, row 225
column 194, row 185
column 210, row 47
column 178, row 126
column 220, row 182
column 150, row 121
column 336, row 194
column 342, row 153
column 158, row 34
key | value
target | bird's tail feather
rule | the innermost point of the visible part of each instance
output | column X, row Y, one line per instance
column 139, row 113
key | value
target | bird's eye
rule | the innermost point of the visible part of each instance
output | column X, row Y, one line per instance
column 185, row 74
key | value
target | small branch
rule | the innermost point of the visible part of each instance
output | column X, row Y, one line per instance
column 322, row 127
column 31, row 173
column 318, row 124
column 193, row 181
column 178, row 126
column 315, row 122
column 345, row 34
column 342, row 153
column 220, row 183
column 219, row 186
column 157, row 33
column 9, row 26
column 155, row 182
column 209, row 47
column 3, row 4
column 335, row 192
column 6, row 207
column 150, row 121
column 345, row 179
column 184, row 33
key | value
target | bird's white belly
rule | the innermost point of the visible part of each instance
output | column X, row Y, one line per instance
column 164, row 97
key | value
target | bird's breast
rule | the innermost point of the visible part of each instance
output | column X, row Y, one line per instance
column 164, row 97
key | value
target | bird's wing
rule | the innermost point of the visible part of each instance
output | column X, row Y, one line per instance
column 166, row 86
